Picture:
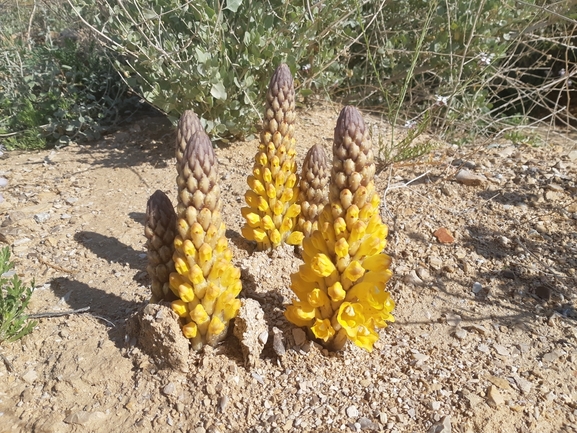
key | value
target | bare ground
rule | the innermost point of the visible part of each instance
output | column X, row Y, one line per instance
column 497, row 356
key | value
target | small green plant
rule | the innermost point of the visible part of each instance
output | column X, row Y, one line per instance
column 57, row 83
column 14, row 298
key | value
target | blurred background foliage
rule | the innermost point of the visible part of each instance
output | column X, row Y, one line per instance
column 461, row 69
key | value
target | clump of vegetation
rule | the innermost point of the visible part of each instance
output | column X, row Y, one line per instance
column 14, row 298
column 215, row 57
column 57, row 83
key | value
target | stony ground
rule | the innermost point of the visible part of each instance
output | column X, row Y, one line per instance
column 486, row 332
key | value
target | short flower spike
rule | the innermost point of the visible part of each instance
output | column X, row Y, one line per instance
column 272, row 198
column 205, row 281
column 313, row 195
column 159, row 230
column 341, row 285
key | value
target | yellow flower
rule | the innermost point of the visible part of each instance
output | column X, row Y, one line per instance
column 323, row 329
column 300, row 313
column 365, row 338
column 322, row 265
column 350, row 317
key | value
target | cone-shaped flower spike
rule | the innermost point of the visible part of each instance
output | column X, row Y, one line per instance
column 272, row 198
column 205, row 281
column 188, row 124
column 313, row 195
column 159, row 230
column 341, row 285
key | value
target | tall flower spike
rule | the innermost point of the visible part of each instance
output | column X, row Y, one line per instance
column 313, row 194
column 205, row 281
column 272, row 198
column 341, row 284
column 159, row 230
column 188, row 124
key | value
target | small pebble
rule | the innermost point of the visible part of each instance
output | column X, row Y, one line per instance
column 477, row 287
column 494, row 397
column 41, row 217
column 352, row 412
column 469, row 178
column 169, row 389
column 299, row 336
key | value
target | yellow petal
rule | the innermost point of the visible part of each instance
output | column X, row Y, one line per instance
column 215, row 327
column 186, row 292
column 300, row 313
column 198, row 314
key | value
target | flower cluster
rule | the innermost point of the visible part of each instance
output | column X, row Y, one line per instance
column 313, row 195
column 341, row 285
column 159, row 230
column 205, row 281
column 272, row 198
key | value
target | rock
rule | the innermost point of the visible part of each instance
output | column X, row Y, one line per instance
column 483, row 348
column 160, row 336
column 510, row 275
column 222, row 403
column 366, row 424
column 460, row 333
column 444, row 236
column 423, row 273
column 501, row 350
column 299, row 336
column 30, row 376
column 412, row 279
column 435, row 263
column 494, row 397
column 552, row 195
column 477, row 287
column 474, row 399
column 469, row 178
column 41, row 218
column 572, row 155
column 84, row 418
column 352, row 412
column 435, row 405
column 506, row 152
column 554, row 355
column 248, row 326
column 277, row 342
column 443, row 426
column 447, row 190
column 169, row 389
column 523, row 384
column 500, row 382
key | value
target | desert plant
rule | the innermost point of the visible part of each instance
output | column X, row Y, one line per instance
column 57, row 84
column 205, row 281
column 313, row 189
column 160, row 230
column 215, row 56
column 341, row 284
column 272, row 209
column 14, row 298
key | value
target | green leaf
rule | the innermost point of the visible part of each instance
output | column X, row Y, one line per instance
column 218, row 91
column 233, row 5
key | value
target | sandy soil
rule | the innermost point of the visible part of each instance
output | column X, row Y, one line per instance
column 485, row 338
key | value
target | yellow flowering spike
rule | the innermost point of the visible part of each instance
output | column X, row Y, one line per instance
column 313, row 188
column 160, row 232
column 203, row 270
column 274, row 176
column 342, row 283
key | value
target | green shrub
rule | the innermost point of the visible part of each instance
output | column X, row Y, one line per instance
column 14, row 298
column 216, row 57
column 57, row 86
